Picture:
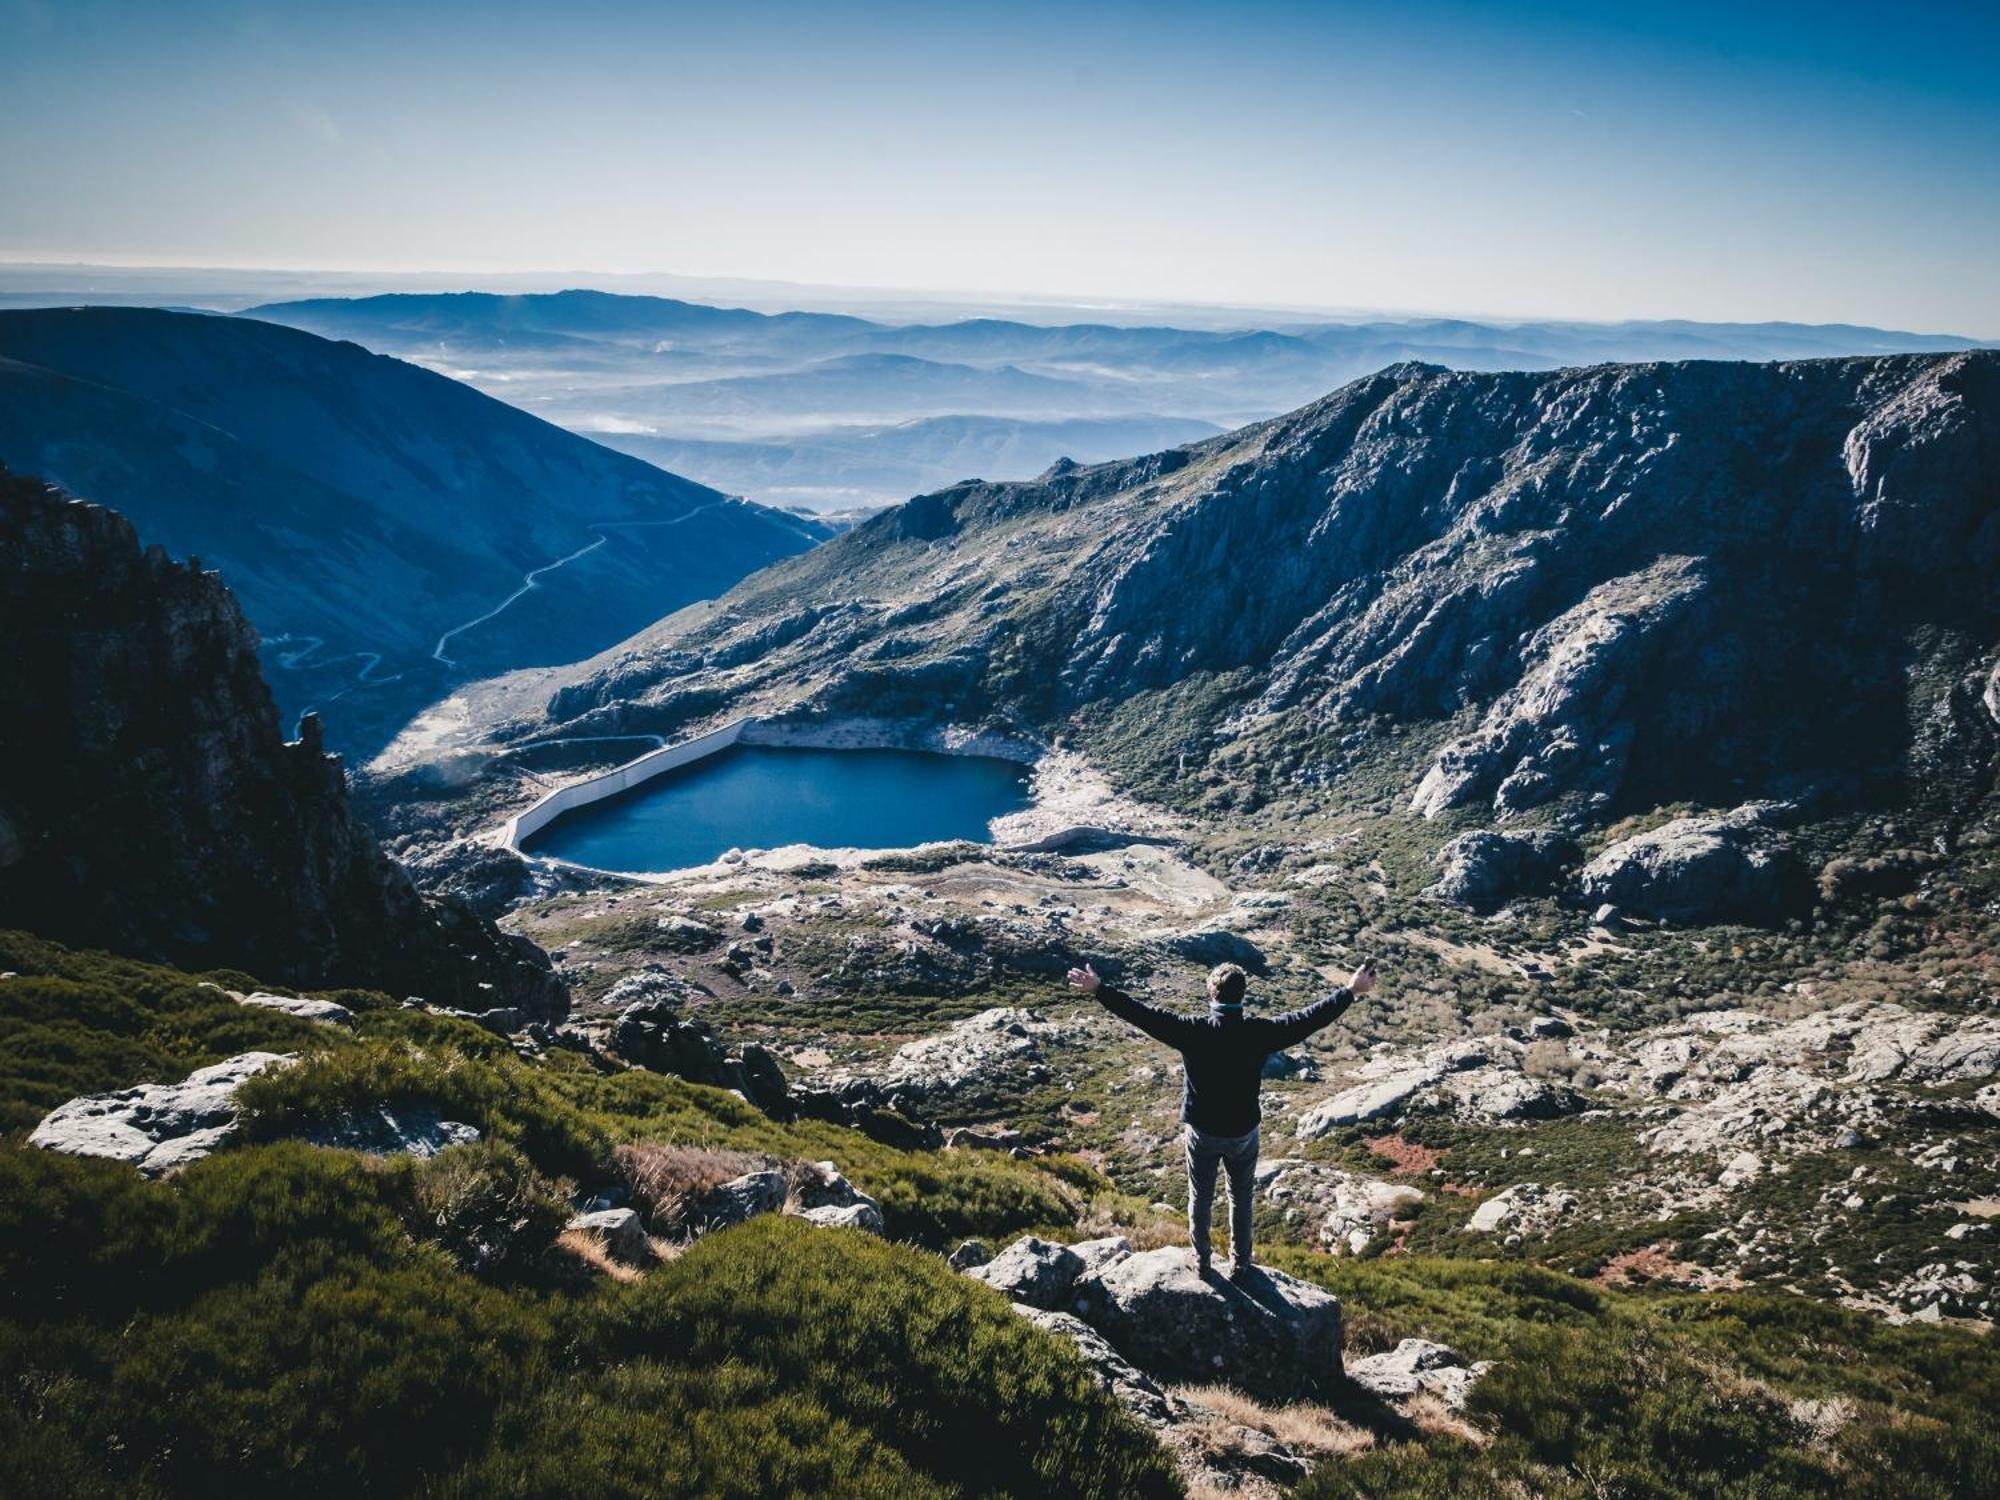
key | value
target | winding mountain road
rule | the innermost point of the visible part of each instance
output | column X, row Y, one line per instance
column 531, row 580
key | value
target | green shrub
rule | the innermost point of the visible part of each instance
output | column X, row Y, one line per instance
column 502, row 1098
column 886, row 1350
column 488, row 1206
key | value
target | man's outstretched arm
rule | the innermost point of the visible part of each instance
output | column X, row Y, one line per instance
column 1297, row 1025
column 1161, row 1025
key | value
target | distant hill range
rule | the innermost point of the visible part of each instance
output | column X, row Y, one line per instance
column 639, row 372
column 1581, row 594
column 375, row 518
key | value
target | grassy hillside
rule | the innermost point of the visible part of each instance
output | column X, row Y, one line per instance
column 286, row 1315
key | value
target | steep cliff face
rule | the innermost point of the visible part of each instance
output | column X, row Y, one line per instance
column 149, row 803
column 1627, row 584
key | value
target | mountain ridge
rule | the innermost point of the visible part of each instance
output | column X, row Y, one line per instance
column 1594, row 586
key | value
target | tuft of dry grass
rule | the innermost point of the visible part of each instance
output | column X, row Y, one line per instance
column 1303, row 1427
column 663, row 1178
column 1102, row 1218
column 590, row 1250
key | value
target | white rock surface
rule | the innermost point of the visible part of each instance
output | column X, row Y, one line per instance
column 325, row 1011
column 156, row 1126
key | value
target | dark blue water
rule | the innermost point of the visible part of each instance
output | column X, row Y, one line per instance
column 761, row 796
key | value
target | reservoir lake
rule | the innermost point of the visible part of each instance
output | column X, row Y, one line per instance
column 764, row 796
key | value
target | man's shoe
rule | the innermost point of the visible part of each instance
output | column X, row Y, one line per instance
column 1203, row 1267
column 1241, row 1270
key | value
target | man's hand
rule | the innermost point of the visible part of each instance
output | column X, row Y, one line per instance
column 1362, row 981
column 1084, row 979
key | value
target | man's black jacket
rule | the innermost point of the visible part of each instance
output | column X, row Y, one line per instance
column 1223, row 1052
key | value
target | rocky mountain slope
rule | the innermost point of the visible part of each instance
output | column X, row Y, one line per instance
column 149, row 802
column 1571, row 595
column 373, row 517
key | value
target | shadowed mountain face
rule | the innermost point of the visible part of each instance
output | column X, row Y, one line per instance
column 149, row 802
column 371, row 515
column 1590, row 590
column 653, row 370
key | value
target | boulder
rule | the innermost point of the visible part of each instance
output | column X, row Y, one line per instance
column 970, row 1253
column 1132, row 1387
column 325, row 1011
column 1483, row 869
column 1417, row 1365
column 394, row 1130
column 621, row 1233
column 1270, row 1334
column 1034, row 1271
column 156, row 1126
column 1352, row 1210
column 864, row 1216
column 998, row 1050
column 738, row 1199
column 1696, row 870
column 1524, row 1208
column 1365, row 1101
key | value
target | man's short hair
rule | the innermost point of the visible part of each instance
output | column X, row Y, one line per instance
column 1226, row 984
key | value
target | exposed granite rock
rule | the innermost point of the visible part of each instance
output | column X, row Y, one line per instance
column 1033, row 1271
column 1417, row 1365
column 156, row 1126
column 1134, row 1389
column 1483, row 869
column 150, row 804
column 1352, row 1210
column 1524, row 1208
column 969, row 1255
column 738, row 1199
column 326, row 1011
column 863, row 1216
column 1270, row 1334
column 395, row 1130
column 1728, row 868
column 620, row 1231
column 652, row 1034
column 998, row 1050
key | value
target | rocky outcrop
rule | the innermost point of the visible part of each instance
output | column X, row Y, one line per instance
column 150, row 805
column 1478, row 1080
column 813, row 1191
column 1268, row 1334
column 413, row 1129
column 1000, row 1051
column 1693, row 870
column 326, row 1012
column 1524, row 1208
column 1414, row 1366
column 652, row 1034
column 1483, row 869
column 1351, row 1210
column 156, row 1126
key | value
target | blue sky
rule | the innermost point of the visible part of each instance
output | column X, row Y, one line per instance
column 1824, row 163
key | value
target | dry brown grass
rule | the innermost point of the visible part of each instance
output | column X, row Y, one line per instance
column 1102, row 1218
column 1308, row 1430
column 590, row 1250
column 664, row 1178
